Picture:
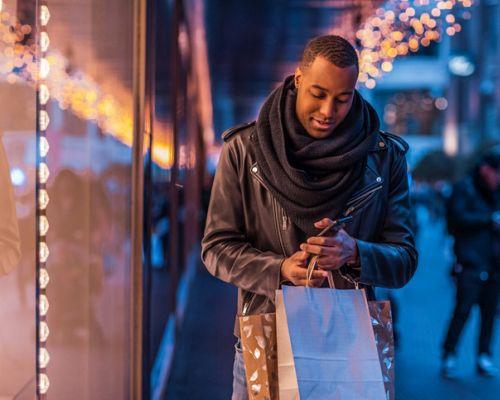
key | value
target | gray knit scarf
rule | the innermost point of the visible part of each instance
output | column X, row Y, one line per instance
column 312, row 178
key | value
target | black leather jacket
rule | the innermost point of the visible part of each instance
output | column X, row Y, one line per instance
column 248, row 234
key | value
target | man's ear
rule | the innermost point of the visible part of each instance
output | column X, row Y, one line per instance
column 298, row 77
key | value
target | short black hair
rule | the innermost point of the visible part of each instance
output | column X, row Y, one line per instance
column 334, row 48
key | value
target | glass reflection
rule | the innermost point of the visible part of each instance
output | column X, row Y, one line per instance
column 17, row 203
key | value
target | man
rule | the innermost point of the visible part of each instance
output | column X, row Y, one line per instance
column 314, row 154
column 473, row 216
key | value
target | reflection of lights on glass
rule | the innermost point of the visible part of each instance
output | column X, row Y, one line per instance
column 44, row 225
column 44, row 41
column 44, row 15
column 44, row 383
column 43, row 94
column 44, row 278
column 44, row 305
column 17, row 176
column 44, row 68
column 466, row 15
column 370, row 83
column 44, row 331
column 43, row 199
column 44, row 146
column 43, row 357
column 43, row 173
column 44, row 252
column 44, row 120
column 441, row 103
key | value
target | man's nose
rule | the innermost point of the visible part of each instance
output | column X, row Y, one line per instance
column 327, row 109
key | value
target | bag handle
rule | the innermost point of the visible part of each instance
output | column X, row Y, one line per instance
column 310, row 268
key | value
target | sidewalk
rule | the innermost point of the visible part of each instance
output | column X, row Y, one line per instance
column 425, row 307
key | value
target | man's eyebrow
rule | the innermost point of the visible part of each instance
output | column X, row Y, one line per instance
column 316, row 86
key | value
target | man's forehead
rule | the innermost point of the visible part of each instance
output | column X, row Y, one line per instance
column 325, row 75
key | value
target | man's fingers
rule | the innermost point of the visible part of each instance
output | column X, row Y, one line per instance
column 322, row 240
column 300, row 255
column 314, row 249
column 321, row 224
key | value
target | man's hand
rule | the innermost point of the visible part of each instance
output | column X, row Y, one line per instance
column 333, row 251
column 294, row 269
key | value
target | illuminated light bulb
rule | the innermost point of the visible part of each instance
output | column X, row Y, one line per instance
column 44, row 15
column 410, row 11
column 387, row 66
column 43, row 385
column 43, row 227
column 43, row 94
column 397, row 35
column 43, row 172
column 392, row 52
column 425, row 42
column 389, row 15
column 370, row 83
column 467, row 3
column 44, row 278
column 413, row 43
column 1, row 5
column 44, row 68
column 43, row 199
column 44, row 41
column 450, row 31
column 431, row 23
column 43, row 252
column 466, row 15
column 457, row 27
column 43, row 120
column 436, row 12
column 44, row 331
column 363, row 77
column 43, row 357
column 44, row 305
column 441, row 103
column 450, row 18
column 424, row 17
column 374, row 72
column 44, row 146
column 403, row 17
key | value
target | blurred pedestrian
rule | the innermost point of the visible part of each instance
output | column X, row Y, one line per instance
column 314, row 154
column 473, row 216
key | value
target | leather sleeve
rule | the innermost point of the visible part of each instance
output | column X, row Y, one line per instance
column 225, row 251
column 392, row 260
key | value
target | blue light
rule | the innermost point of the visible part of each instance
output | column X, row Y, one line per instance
column 17, row 176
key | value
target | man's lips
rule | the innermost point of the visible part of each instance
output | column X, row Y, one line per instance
column 321, row 125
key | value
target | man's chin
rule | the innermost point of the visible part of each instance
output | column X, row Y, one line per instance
column 320, row 133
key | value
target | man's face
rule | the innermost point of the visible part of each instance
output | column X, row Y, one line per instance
column 324, row 96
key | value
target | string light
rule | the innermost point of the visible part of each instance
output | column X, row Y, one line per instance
column 43, row 95
column 400, row 27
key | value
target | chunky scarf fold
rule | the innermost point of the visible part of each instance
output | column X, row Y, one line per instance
column 312, row 178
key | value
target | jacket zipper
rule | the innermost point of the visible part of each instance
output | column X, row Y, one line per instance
column 275, row 212
column 277, row 224
column 361, row 199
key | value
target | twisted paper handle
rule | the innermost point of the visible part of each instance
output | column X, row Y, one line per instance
column 313, row 263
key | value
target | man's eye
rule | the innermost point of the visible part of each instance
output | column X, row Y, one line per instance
column 342, row 101
column 318, row 96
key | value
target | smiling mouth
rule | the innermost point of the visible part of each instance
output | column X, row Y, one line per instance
column 322, row 125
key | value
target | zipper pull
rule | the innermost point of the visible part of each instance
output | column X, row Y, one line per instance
column 284, row 221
